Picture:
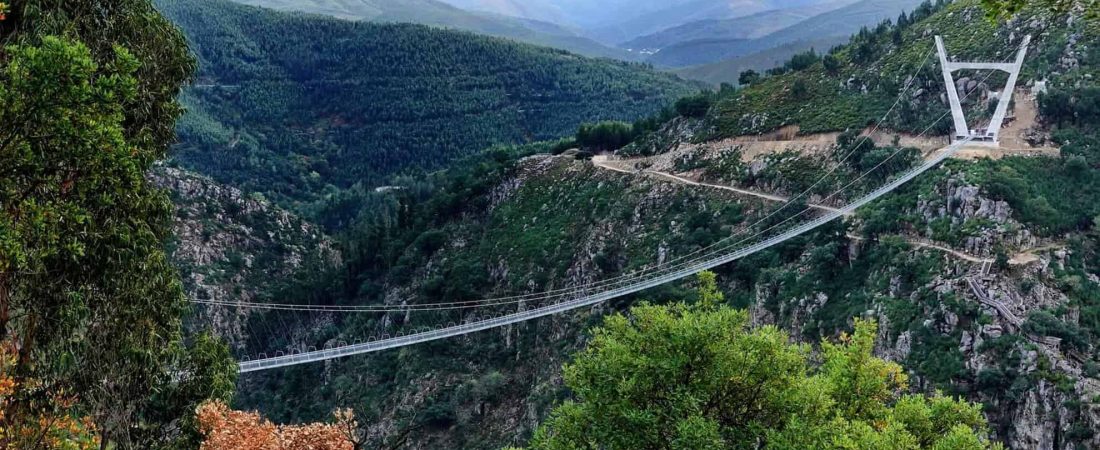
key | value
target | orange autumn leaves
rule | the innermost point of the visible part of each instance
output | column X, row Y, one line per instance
column 226, row 429
column 34, row 415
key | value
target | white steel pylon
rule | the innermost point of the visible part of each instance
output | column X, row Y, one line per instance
column 991, row 134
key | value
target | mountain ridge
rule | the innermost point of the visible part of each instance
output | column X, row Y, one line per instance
column 746, row 27
column 836, row 23
column 439, row 13
column 380, row 100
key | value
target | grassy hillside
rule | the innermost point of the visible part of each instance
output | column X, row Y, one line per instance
column 437, row 13
column 294, row 106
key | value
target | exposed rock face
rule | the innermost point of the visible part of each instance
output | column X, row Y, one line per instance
column 961, row 204
column 679, row 131
column 233, row 247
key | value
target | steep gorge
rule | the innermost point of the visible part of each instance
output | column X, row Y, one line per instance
column 522, row 220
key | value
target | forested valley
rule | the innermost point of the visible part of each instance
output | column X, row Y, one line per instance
column 298, row 107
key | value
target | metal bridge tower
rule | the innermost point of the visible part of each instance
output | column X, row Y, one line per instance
column 991, row 135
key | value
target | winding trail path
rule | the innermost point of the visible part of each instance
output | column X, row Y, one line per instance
column 620, row 165
column 604, row 162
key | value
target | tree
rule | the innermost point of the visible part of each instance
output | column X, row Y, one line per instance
column 226, row 429
column 800, row 90
column 695, row 106
column 748, row 77
column 605, row 136
column 804, row 60
column 684, row 377
column 86, row 291
column 709, row 295
column 56, row 424
column 831, row 63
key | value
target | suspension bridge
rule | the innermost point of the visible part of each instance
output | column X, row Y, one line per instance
column 722, row 252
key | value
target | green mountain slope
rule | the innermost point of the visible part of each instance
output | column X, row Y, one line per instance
column 728, row 71
column 436, row 13
column 869, row 72
column 839, row 22
column 289, row 105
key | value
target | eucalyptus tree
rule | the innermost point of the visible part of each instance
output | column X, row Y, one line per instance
column 87, row 296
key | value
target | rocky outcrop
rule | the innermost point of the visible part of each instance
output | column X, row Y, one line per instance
column 987, row 224
column 676, row 132
column 232, row 247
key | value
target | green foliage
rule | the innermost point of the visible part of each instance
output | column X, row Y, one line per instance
column 685, row 377
column 937, row 357
column 1043, row 323
column 748, row 77
column 1005, row 9
column 1049, row 194
column 695, row 106
column 710, row 296
column 799, row 89
column 1076, row 107
column 272, row 113
column 803, row 61
column 830, row 63
column 85, row 287
column 604, row 136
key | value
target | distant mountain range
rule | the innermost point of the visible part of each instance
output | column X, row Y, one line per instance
column 709, row 40
column 714, row 41
column 438, row 13
column 729, row 70
column 613, row 22
column 294, row 105
column 747, row 27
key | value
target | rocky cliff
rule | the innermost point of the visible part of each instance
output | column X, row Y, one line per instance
column 231, row 246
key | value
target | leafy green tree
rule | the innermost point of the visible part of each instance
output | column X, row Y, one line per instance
column 831, row 63
column 684, row 377
column 695, row 105
column 86, row 290
column 709, row 295
column 609, row 135
column 804, row 60
column 800, row 90
column 748, row 77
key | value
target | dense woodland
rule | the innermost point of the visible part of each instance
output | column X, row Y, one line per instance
column 294, row 106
